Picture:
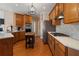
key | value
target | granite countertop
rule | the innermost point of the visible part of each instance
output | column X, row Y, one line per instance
column 67, row 41
column 4, row 35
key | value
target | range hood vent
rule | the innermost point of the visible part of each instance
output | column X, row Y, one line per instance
column 61, row 16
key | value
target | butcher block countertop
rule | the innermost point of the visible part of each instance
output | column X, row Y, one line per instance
column 30, row 33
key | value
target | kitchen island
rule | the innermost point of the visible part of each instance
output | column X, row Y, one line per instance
column 6, row 44
column 18, row 36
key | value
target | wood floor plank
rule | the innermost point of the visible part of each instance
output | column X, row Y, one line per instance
column 39, row 49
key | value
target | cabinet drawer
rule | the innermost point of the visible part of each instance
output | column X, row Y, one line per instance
column 60, row 46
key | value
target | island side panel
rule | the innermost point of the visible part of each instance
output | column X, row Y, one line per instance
column 6, row 47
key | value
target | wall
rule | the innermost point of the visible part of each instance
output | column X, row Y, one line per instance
column 35, row 25
column 8, row 18
column 70, row 29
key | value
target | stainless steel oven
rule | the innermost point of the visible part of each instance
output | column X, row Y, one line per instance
column 28, row 27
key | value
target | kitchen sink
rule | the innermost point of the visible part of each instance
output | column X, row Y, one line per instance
column 59, row 34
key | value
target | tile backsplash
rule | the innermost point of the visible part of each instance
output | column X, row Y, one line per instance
column 69, row 29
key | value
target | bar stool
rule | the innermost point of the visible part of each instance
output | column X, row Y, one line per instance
column 30, row 39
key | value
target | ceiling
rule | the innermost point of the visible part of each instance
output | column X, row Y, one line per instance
column 25, row 7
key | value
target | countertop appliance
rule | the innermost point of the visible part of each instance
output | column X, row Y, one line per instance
column 47, row 27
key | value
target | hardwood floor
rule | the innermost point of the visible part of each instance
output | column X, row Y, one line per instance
column 39, row 49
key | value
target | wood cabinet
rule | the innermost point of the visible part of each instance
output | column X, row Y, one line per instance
column 54, row 14
column 60, row 8
column 18, row 36
column 28, row 19
column 19, row 20
column 59, row 49
column 71, row 13
column 6, row 47
column 56, row 47
column 56, row 20
column 51, row 43
column 73, row 52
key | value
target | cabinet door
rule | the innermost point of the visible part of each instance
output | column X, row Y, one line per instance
column 56, row 10
column 28, row 19
column 59, row 49
column 16, row 37
column 22, row 35
column 6, row 47
column 19, row 20
column 49, row 40
column 60, row 8
column 73, row 52
column 51, row 43
column 71, row 13
column 55, row 14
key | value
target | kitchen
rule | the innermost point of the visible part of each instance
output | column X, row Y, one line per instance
column 55, row 26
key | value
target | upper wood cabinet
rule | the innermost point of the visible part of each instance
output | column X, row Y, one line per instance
column 71, row 13
column 55, row 14
column 19, row 20
column 50, row 16
column 28, row 19
column 60, row 8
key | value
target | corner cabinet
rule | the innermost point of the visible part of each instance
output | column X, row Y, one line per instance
column 71, row 13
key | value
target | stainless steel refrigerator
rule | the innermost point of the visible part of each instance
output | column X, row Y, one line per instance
column 47, row 27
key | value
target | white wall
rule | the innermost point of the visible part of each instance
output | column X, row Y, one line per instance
column 70, row 29
column 43, row 16
column 8, row 18
column 35, row 25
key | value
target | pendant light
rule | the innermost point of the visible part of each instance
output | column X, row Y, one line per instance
column 32, row 10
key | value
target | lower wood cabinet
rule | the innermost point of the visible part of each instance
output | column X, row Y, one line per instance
column 18, row 36
column 58, row 49
column 73, row 52
column 6, row 47
column 51, row 43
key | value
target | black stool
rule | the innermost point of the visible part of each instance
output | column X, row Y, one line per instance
column 30, row 40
